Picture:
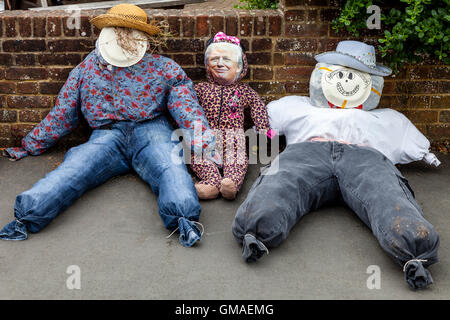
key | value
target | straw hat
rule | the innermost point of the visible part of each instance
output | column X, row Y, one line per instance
column 127, row 16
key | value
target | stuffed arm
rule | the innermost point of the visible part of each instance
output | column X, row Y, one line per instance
column 61, row 120
column 184, row 107
column 416, row 146
column 258, row 112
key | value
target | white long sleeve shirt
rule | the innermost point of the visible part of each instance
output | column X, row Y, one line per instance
column 385, row 130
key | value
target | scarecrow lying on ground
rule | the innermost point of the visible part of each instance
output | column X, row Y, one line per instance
column 337, row 150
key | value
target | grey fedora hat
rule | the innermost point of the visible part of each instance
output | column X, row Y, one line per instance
column 356, row 55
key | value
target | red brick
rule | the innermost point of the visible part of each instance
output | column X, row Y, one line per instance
column 259, row 58
column 292, row 3
column 10, row 26
column 67, row 29
column 293, row 73
column 444, row 116
column 295, row 15
column 196, row 73
column 245, row 44
column 268, row 87
column 39, row 26
column 389, row 87
column 7, row 116
column 418, row 72
column 6, row 59
column 260, row 25
column 387, row 101
column 184, row 59
column 25, row 27
column 185, row 45
column 415, row 87
column 297, row 87
column 440, row 102
column 202, row 26
column 7, row 87
column 18, row 73
column 188, row 25
column 30, row 116
column 217, row 24
column 25, row 59
column 440, row 72
column 245, row 26
column 307, row 30
column 27, row 87
column 329, row 14
column 59, row 59
column 275, row 24
column 328, row 44
column 174, row 25
column 85, row 27
column 5, row 129
column 300, row 58
column 419, row 101
column 72, row 45
column 24, row 102
column 444, row 86
column 232, row 25
column 262, row 74
column 421, row 116
column 20, row 130
column 24, row 45
column 52, row 87
column 53, row 26
column 438, row 131
column 296, row 45
column 60, row 74
column 278, row 59
column 261, row 44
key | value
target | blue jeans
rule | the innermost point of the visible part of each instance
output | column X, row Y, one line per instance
column 145, row 147
column 308, row 175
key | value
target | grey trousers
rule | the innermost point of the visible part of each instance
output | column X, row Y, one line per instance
column 308, row 175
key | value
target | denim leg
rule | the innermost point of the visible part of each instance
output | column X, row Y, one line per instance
column 156, row 160
column 299, row 180
column 379, row 194
column 84, row 167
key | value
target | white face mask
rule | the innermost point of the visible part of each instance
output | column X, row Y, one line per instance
column 345, row 87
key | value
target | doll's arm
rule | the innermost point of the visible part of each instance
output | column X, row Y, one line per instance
column 258, row 112
column 59, row 121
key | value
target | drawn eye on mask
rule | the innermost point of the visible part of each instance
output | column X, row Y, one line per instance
column 345, row 87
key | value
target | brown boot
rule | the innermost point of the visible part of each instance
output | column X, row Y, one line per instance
column 228, row 189
column 206, row 191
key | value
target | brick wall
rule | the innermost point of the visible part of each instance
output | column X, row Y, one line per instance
column 37, row 51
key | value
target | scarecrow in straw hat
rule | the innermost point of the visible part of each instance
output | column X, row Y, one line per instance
column 340, row 150
column 123, row 93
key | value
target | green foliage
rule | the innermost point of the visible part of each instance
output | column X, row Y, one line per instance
column 257, row 4
column 413, row 29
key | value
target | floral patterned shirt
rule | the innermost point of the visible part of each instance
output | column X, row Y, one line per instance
column 103, row 93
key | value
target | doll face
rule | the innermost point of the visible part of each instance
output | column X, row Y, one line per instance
column 346, row 87
column 222, row 64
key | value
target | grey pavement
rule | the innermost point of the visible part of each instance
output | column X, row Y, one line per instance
column 114, row 235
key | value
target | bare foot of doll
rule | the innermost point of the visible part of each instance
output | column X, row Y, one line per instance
column 206, row 191
column 228, row 189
